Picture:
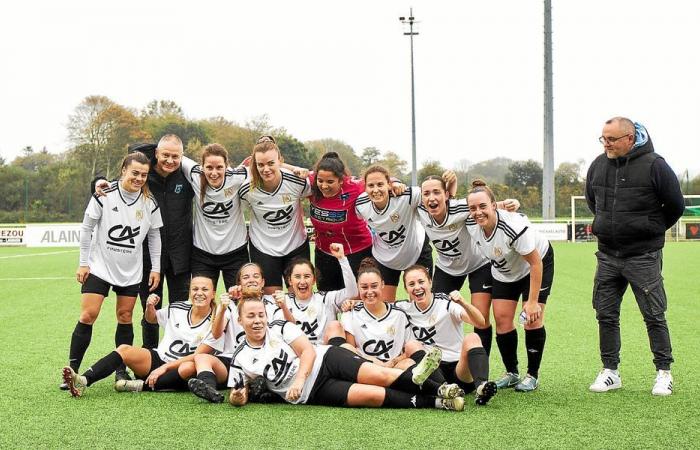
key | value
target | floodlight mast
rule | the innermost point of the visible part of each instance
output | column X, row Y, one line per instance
column 410, row 21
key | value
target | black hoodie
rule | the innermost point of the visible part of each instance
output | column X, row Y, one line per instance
column 635, row 199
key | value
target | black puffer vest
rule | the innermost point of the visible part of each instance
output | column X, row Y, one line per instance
column 628, row 216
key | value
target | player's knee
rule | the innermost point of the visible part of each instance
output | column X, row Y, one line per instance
column 124, row 316
column 470, row 341
column 124, row 350
column 88, row 317
column 333, row 329
column 186, row 370
column 412, row 346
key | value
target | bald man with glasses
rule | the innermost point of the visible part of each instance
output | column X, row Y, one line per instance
column 635, row 197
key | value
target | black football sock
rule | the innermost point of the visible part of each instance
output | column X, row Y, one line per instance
column 103, row 368
column 508, row 346
column 336, row 341
column 79, row 342
column 169, row 381
column 478, row 362
column 400, row 399
column 405, row 383
column 486, row 334
column 208, row 377
column 534, row 343
column 149, row 333
column 124, row 334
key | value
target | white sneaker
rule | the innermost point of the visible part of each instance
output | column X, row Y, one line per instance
column 663, row 384
column 606, row 380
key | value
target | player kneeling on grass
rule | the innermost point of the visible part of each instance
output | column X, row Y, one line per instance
column 436, row 320
column 324, row 375
column 185, row 323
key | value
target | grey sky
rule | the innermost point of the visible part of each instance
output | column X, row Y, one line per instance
column 341, row 70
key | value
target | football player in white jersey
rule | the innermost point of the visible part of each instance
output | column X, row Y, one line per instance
column 437, row 320
column 113, row 229
column 458, row 258
column 375, row 329
column 326, row 375
column 312, row 311
column 220, row 241
column 522, row 264
column 398, row 239
column 211, row 369
column 277, row 231
column 185, row 324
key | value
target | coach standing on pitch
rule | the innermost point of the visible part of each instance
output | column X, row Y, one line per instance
column 635, row 197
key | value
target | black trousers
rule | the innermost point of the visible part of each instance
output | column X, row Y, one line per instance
column 643, row 273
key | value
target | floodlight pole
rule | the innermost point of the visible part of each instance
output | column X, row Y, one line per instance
column 548, row 210
column 411, row 33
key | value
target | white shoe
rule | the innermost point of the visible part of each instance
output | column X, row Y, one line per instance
column 663, row 384
column 606, row 380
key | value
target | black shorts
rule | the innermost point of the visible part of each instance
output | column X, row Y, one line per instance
column 273, row 266
column 96, row 285
column 331, row 276
column 208, row 265
column 392, row 277
column 156, row 362
column 480, row 280
column 449, row 371
column 338, row 372
column 513, row 291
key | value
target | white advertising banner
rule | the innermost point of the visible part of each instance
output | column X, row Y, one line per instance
column 11, row 236
column 63, row 235
column 552, row 231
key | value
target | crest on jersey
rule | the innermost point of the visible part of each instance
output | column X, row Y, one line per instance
column 274, row 343
column 498, row 252
column 311, row 311
column 139, row 214
column 228, row 192
column 394, row 217
column 391, row 331
column 178, row 188
column 452, row 226
column 432, row 320
column 286, row 198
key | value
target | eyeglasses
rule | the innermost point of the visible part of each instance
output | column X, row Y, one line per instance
column 611, row 140
column 262, row 139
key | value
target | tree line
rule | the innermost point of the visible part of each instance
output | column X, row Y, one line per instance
column 39, row 186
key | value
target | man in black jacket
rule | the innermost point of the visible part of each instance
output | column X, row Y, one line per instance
column 635, row 197
column 174, row 195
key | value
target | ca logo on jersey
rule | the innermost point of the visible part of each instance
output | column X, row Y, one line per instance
column 446, row 247
column 425, row 335
column 309, row 329
column 394, row 238
column 279, row 217
column 215, row 210
column 279, row 367
column 378, row 349
column 122, row 236
column 179, row 349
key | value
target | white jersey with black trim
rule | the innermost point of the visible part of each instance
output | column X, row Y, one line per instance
column 219, row 225
column 397, row 237
column 116, row 250
column 457, row 252
column 275, row 360
column 314, row 314
column 380, row 337
column 440, row 325
column 181, row 336
column 277, row 223
column 233, row 331
column 512, row 238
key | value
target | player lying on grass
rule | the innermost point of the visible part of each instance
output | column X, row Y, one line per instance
column 437, row 320
column 186, row 324
column 312, row 311
column 325, row 375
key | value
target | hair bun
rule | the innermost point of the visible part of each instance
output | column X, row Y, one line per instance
column 368, row 263
column 478, row 183
column 330, row 155
column 250, row 293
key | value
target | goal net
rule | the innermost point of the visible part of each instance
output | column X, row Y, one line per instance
column 686, row 229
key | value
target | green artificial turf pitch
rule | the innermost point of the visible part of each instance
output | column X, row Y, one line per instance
column 40, row 305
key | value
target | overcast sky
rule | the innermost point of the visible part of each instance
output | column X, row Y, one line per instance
column 341, row 70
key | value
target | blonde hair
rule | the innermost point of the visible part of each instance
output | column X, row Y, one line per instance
column 249, row 295
column 263, row 144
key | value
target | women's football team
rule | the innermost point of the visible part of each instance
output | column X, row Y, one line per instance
column 338, row 336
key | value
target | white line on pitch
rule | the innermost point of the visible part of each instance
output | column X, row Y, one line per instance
column 37, row 278
column 38, row 254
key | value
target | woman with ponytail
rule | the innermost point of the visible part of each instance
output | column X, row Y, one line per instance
column 522, row 265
